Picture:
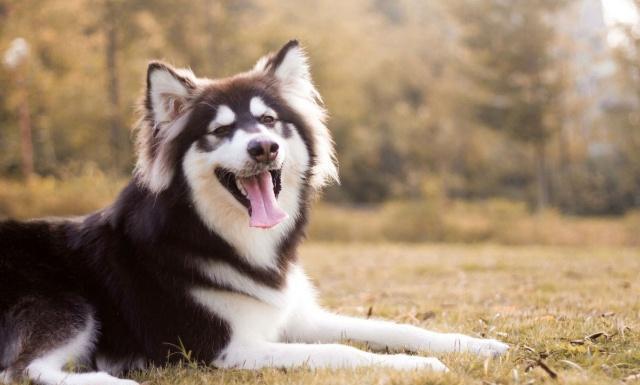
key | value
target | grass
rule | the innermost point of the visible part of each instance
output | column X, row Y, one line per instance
column 573, row 309
column 454, row 221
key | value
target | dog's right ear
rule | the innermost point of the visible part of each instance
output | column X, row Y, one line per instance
column 167, row 102
column 168, row 92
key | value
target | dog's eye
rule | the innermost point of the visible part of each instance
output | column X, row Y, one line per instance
column 223, row 130
column 267, row 120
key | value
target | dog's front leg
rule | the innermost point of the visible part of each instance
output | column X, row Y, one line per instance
column 314, row 324
column 256, row 355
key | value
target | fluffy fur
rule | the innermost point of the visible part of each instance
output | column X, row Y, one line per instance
column 174, row 262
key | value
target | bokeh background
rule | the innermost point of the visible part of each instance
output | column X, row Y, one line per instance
column 512, row 122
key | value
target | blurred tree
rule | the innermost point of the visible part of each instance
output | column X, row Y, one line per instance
column 112, row 15
column 121, row 22
column 509, row 59
column 16, row 59
column 45, row 25
column 626, row 114
column 416, row 90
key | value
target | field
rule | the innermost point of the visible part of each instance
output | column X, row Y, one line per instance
column 571, row 310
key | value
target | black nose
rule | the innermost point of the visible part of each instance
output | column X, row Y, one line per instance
column 263, row 151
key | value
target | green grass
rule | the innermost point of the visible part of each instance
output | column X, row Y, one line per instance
column 544, row 301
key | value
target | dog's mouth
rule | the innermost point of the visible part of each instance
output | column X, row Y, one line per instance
column 258, row 193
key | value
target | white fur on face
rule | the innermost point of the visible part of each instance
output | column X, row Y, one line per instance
column 259, row 108
column 224, row 117
column 220, row 210
column 232, row 153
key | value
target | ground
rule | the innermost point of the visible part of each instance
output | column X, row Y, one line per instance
column 573, row 310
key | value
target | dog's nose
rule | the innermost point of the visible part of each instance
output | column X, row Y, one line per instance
column 263, row 151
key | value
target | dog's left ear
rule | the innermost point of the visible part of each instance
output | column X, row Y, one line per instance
column 288, row 64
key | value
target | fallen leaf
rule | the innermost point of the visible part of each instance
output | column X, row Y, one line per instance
column 595, row 336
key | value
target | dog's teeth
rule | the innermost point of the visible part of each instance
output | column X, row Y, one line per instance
column 240, row 187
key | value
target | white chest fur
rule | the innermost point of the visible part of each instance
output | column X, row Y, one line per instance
column 254, row 311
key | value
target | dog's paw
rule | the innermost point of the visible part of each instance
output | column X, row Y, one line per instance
column 407, row 362
column 485, row 347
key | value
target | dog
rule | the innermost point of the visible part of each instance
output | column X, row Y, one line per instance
column 197, row 255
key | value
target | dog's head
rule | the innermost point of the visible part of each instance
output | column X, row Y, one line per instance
column 248, row 146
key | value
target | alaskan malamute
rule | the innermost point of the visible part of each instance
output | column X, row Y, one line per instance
column 198, row 253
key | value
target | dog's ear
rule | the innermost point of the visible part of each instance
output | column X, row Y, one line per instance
column 288, row 64
column 166, row 112
column 168, row 92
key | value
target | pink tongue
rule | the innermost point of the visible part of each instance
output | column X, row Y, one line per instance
column 265, row 212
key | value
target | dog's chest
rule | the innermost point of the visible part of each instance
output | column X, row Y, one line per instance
column 251, row 309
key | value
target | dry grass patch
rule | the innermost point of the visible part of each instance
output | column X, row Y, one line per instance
column 76, row 194
column 495, row 220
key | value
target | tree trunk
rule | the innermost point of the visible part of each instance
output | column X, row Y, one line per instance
column 542, row 194
column 26, row 141
column 115, row 121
